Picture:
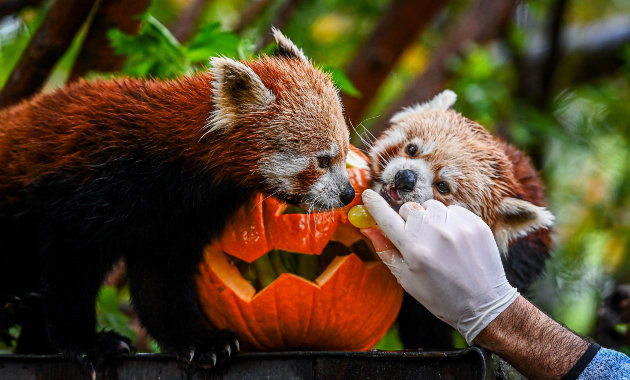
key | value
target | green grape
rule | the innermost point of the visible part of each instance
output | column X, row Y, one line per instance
column 360, row 217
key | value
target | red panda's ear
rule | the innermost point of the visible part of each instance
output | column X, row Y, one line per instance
column 516, row 218
column 286, row 48
column 236, row 90
column 440, row 102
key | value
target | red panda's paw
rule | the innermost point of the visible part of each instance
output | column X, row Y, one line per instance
column 211, row 350
column 109, row 345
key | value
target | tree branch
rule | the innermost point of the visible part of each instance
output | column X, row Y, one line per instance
column 396, row 30
column 483, row 21
column 51, row 40
column 96, row 52
column 184, row 28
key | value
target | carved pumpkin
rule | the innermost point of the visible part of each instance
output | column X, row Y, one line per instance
column 347, row 306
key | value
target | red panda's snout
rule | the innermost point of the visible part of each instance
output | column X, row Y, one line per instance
column 287, row 115
column 317, row 183
column 331, row 190
column 405, row 180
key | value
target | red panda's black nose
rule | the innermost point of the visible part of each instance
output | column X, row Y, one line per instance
column 347, row 194
column 405, row 180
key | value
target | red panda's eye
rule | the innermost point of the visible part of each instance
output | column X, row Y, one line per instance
column 411, row 150
column 324, row 162
column 442, row 187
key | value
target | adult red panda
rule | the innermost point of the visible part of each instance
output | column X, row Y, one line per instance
column 433, row 152
column 150, row 171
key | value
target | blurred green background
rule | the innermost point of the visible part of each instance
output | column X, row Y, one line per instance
column 554, row 80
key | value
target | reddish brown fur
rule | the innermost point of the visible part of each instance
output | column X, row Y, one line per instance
column 57, row 125
column 466, row 145
column 150, row 172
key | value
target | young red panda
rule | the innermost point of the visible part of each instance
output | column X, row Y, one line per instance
column 433, row 152
column 150, row 171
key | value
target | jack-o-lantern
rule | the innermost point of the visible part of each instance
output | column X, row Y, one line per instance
column 284, row 280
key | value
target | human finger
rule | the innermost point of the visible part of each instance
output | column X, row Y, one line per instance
column 377, row 237
column 408, row 207
column 435, row 212
column 388, row 220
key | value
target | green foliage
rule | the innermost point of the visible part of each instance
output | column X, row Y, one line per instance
column 342, row 81
column 483, row 85
column 390, row 341
column 109, row 312
column 8, row 346
column 156, row 53
column 622, row 328
column 14, row 36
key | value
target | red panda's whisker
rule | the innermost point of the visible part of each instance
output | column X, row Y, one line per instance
column 367, row 142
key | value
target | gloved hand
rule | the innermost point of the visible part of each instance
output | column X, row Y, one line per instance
column 446, row 258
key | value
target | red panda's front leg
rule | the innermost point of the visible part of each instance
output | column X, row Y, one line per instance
column 71, row 281
column 165, row 298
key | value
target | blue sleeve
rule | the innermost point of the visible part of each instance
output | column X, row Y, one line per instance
column 607, row 364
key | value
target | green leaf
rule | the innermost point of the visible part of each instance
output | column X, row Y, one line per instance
column 210, row 42
column 152, row 52
column 341, row 80
column 109, row 314
column 390, row 341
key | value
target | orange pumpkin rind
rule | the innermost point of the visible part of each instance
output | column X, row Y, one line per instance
column 349, row 306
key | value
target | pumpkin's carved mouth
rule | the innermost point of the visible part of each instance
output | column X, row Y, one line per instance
column 267, row 268
column 285, row 279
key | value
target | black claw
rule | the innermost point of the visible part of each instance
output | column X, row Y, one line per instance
column 237, row 344
column 227, row 349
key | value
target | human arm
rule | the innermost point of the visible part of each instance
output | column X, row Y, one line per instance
column 536, row 345
column 447, row 259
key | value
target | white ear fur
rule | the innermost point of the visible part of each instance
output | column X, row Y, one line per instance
column 236, row 89
column 516, row 218
column 440, row 102
column 286, row 48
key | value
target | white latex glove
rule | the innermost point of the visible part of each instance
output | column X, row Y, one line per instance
column 446, row 258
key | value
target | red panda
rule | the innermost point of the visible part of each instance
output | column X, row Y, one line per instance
column 149, row 171
column 433, row 152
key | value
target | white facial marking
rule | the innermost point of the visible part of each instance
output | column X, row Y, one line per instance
column 423, row 189
column 427, row 147
column 394, row 138
column 282, row 167
column 450, row 175
column 423, row 147
column 332, row 152
column 325, row 193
